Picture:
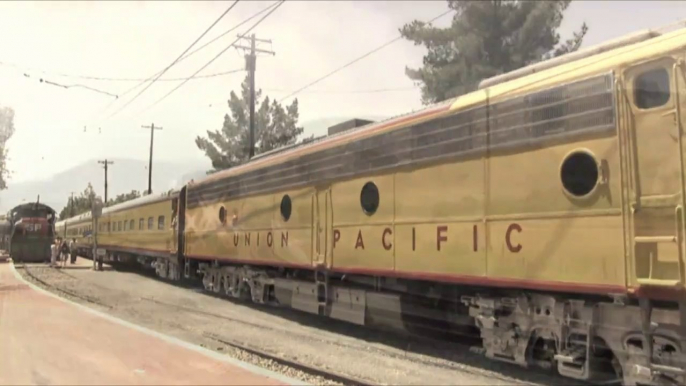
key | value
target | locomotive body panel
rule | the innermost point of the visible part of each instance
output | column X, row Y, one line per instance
column 253, row 230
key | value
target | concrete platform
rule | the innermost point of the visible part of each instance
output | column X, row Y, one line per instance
column 48, row 340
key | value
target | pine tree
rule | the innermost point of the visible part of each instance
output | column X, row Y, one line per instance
column 486, row 38
column 275, row 126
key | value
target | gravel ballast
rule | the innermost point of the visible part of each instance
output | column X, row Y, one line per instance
column 360, row 353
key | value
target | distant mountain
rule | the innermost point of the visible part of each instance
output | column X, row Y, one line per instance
column 123, row 176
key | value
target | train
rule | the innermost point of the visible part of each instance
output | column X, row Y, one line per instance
column 544, row 210
column 29, row 231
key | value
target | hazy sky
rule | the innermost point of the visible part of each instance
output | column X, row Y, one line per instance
column 138, row 39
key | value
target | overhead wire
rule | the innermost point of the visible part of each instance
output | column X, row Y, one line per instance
column 378, row 48
column 211, row 41
column 24, row 69
column 216, row 56
column 263, row 10
column 68, row 86
column 27, row 70
column 175, row 60
column 369, row 91
column 78, row 86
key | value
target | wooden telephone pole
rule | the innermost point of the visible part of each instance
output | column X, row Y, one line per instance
column 250, row 61
column 152, row 136
column 106, row 162
column 71, row 205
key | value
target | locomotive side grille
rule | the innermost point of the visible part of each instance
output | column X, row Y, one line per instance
column 563, row 113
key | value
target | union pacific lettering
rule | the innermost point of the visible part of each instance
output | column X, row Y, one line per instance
column 246, row 236
column 441, row 238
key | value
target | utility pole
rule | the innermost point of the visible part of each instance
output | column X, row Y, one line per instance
column 71, row 205
column 250, row 61
column 106, row 162
column 152, row 136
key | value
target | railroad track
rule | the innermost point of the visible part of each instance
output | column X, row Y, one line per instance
column 243, row 346
column 55, row 288
column 463, row 343
column 328, row 374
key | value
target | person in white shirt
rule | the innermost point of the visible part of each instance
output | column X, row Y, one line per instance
column 54, row 251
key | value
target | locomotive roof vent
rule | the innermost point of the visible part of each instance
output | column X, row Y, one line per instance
column 347, row 125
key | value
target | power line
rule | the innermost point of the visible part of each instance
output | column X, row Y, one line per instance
column 276, row 3
column 379, row 48
column 210, row 42
column 126, row 79
column 99, row 78
column 214, row 75
column 371, row 91
column 67, row 86
column 176, row 60
column 218, row 55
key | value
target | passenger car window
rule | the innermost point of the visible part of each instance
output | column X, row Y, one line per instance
column 160, row 223
column 141, row 224
column 150, row 222
column 126, row 225
column 651, row 88
column 119, row 226
column 131, row 224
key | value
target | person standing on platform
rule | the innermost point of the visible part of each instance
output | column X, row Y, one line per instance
column 65, row 251
column 72, row 250
column 54, row 250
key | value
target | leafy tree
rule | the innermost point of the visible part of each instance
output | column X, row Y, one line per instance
column 486, row 38
column 79, row 204
column 6, row 131
column 123, row 198
column 275, row 126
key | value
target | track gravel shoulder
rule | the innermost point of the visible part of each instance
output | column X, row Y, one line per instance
column 369, row 355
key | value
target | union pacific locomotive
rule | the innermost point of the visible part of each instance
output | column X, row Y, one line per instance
column 545, row 209
column 30, row 230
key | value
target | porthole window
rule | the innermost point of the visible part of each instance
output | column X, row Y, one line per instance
column 651, row 89
column 369, row 198
column 286, row 207
column 579, row 173
column 222, row 215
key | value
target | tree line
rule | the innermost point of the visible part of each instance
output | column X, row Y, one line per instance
column 484, row 39
column 82, row 203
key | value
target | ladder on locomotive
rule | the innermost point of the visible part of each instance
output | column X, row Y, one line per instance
column 655, row 151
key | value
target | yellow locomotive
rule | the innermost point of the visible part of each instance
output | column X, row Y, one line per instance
column 545, row 209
